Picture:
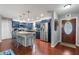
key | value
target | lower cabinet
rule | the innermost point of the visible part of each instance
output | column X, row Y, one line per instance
column 37, row 35
column 25, row 40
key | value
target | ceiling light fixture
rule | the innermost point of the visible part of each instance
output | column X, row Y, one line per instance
column 42, row 15
column 24, row 15
column 28, row 15
column 67, row 6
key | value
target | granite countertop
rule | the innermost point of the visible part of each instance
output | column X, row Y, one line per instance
column 25, row 32
column 33, row 30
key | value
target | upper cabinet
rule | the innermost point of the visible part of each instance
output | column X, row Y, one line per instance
column 27, row 25
column 16, row 24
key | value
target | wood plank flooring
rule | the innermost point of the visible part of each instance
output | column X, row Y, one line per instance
column 39, row 48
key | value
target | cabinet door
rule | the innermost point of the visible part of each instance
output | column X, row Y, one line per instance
column 38, row 35
column 29, row 40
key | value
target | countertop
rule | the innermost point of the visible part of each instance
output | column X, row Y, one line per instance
column 25, row 32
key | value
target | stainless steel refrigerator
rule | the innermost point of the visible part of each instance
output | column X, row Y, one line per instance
column 45, row 32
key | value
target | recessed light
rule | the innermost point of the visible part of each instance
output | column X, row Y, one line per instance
column 67, row 6
column 42, row 15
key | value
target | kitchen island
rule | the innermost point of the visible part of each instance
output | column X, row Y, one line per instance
column 25, row 38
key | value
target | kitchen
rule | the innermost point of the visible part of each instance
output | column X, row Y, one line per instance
column 31, row 31
column 37, row 29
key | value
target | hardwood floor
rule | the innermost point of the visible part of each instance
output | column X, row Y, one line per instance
column 39, row 48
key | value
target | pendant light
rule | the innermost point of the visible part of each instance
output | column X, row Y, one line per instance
column 28, row 19
column 66, row 6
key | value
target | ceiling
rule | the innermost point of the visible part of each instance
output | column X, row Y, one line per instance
column 14, row 10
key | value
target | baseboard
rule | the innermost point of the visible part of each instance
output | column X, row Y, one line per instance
column 77, row 45
column 5, row 39
column 68, row 44
column 0, row 40
column 55, row 44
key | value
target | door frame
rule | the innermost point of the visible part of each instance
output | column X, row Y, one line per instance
column 76, row 29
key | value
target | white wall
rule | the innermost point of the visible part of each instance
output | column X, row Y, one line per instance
column 6, row 29
column 55, row 35
column 77, row 32
column 0, row 28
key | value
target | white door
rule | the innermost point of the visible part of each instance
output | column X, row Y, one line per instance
column 6, row 29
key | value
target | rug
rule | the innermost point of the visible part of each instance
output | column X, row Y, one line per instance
column 7, row 52
column 68, row 45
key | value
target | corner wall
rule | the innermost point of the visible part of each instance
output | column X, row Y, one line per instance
column 77, row 31
column 0, row 28
column 55, row 35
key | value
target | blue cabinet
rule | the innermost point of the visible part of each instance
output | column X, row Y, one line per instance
column 37, row 25
column 28, row 25
column 37, row 35
column 15, row 24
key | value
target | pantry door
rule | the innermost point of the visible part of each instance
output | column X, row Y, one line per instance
column 69, row 31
